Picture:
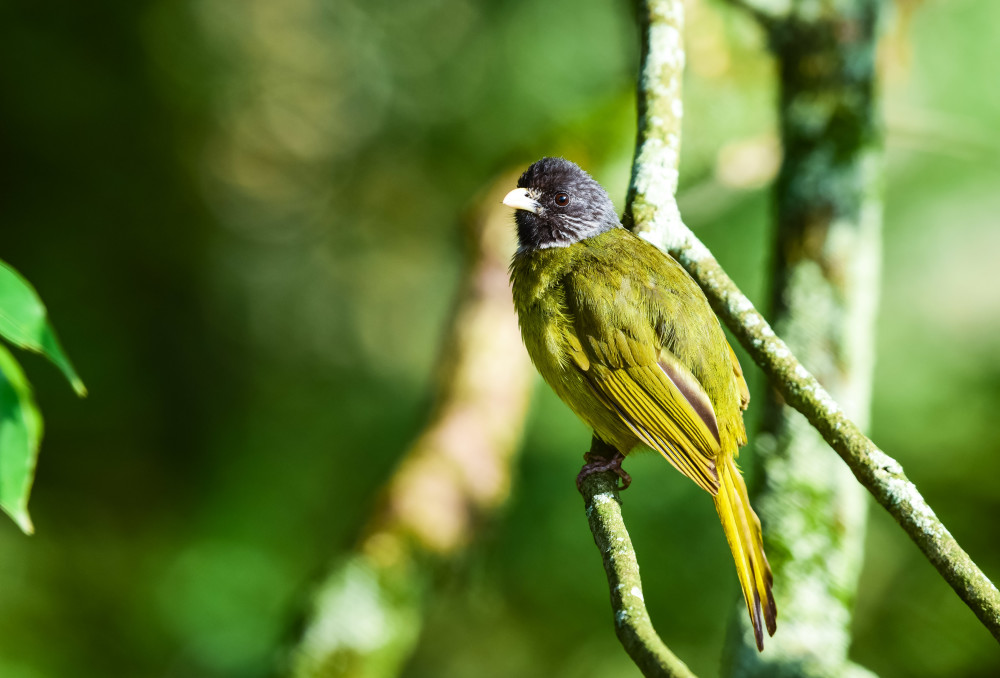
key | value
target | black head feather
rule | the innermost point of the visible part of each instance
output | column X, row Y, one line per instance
column 568, row 206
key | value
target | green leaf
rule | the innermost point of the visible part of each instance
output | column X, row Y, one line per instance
column 20, row 436
column 24, row 323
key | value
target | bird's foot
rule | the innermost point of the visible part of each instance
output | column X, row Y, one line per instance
column 597, row 464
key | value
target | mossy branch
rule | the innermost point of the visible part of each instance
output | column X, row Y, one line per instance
column 632, row 624
column 652, row 213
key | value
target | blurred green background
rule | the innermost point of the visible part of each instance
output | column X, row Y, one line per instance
column 244, row 219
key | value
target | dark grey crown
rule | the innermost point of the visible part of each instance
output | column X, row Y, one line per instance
column 568, row 206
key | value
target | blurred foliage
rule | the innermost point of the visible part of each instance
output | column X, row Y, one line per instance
column 24, row 324
column 245, row 217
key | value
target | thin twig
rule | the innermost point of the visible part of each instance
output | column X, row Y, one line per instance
column 632, row 624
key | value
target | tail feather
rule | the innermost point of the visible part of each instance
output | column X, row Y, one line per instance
column 742, row 529
column 771, row 611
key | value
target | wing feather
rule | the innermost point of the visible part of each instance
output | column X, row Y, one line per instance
column 626, row 363
column 654, row 439
column 652, row 406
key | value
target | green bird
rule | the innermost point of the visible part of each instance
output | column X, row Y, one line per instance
column 628, row 340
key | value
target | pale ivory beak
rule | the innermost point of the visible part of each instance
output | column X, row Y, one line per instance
column 520, row 200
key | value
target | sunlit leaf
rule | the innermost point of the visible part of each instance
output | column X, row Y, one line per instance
column 20, row 435
column 24, row 323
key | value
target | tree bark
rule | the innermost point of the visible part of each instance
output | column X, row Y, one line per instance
column 824, row 295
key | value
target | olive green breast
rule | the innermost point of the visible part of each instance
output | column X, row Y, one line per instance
column 572, row 300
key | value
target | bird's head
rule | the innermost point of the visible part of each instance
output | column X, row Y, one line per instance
column 557, row 204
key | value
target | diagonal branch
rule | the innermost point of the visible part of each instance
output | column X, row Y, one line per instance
column 652, row 213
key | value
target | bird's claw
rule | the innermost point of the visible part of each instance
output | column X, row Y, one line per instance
column 597, row 464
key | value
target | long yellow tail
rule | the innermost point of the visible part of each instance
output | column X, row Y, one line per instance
column 742, row 528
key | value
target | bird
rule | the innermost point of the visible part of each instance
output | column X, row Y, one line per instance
column 627, row 339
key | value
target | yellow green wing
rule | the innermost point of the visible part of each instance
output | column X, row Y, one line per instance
column 659, row 400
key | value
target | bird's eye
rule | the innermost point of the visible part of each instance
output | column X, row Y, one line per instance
column 562, row 199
